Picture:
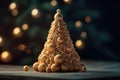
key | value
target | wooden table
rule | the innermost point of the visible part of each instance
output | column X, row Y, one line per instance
column 95, row 70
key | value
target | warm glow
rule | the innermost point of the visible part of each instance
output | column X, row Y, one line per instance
column 35, row 13
column 12, row 6
column 6, row 56
column 88, row 19
column 53, row 2
column 78, row 43
column 83, row 34
column 1, row 41
column 14, row 12
column 67, row 1
column 22, row 47
column 17, row 32
column 78, row 23
column 24, row 26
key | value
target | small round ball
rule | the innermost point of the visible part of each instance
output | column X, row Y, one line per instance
column 35, row 66
column 55, row 67
column 48, row 69
column 60, row 40
column 58, row 59
column 51, row 47
column 26, row 68
column 42, row 67
column 83, row 67
column 65, row 67
column 69, row 49
column 77, row 68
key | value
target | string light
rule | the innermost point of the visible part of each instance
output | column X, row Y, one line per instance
column 78, row 23
column 35, row 13
column 67, row 1
column 12, row 6
column 53, row 2
column 1, row 41
column 25, row 26
column 88, row 19
column 6, row 56
column 17, row 32
column 83, row 34
column 79, row 44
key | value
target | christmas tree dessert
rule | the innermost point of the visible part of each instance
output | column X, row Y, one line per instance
column 58, row 54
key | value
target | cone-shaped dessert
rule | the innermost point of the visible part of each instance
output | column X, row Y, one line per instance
column 58, row 54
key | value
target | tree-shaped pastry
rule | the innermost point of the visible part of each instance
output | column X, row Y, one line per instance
column 58, row 54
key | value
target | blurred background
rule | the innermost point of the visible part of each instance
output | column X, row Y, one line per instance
column 93, row 26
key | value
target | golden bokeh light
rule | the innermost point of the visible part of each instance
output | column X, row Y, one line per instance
column 17, row 32
column 78, row 23
column 25, row 26
column 88, row 19
column 22, row 47
column 67, row 1
column 15, row 12
column 6, row 56
column 79, row 44
column 12, row 6
column 1, row 41
column 35, row 13
column 53, row 2
column 83, row 34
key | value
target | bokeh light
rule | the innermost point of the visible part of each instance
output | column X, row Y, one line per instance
column 88, row 19
column 53, row 2
column 15, row 12
column 35, row 13
column 79, row 44
column 17, row 32
column 83, row 34
column 1, row 41
column 22, row 47
column 12, row 6
column 6, row 56
column 25, row 26
column 67, row 1
column 78, row 23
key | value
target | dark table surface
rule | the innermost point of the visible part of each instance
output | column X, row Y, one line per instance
column 95, row 70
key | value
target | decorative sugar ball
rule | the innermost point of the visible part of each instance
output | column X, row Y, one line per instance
column 71, row 69
column 55, row 67
column 26, row 68
column 77, row 67
column 69, row 49
column 58, row 59
column 83, row 67
column 60, row 40
column 51, row 47
column 35, row 66
column 42, row 67
column 48, row 69
column 65, row 67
